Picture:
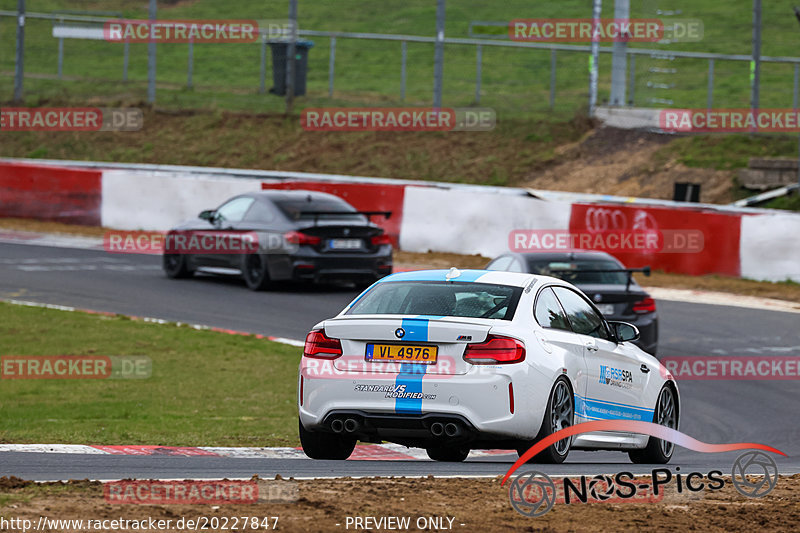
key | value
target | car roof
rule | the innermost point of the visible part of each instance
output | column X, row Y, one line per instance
column 576, row 255
column 294, row 194
column 497, row 277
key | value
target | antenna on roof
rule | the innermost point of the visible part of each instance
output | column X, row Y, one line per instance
column 452, row 273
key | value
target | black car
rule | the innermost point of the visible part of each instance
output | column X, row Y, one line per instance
column 281, row 235
column 602, row 278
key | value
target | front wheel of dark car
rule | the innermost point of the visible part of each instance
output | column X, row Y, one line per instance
column 255, row 272
column 176, row 266
column 559, row 415
column 448, row 454
column 322, row 445
column 659, row 451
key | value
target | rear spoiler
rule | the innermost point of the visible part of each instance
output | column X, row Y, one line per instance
column 629, row 271
column 316, row 214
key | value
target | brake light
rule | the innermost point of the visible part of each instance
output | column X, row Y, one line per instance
column 648, row 305
column 495, row 350
column 296, row 237
column 377, row 240
column 320, row 346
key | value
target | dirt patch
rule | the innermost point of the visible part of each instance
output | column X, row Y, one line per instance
column 626, row 163
column 471, row 504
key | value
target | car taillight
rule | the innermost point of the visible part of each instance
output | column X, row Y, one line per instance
column 495, row 350
column 320, row 346
column 296, row 237
column 648, row 305
column 377, row 240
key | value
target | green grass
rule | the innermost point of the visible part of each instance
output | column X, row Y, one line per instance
column 515, row 82
column 206, row 388
column 727, row 152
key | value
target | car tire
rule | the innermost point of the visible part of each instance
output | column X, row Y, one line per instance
column 659, row 451
column 560, row 413
column 255, row 272
column 176, row 266
column 448, row 454
column 322, row 445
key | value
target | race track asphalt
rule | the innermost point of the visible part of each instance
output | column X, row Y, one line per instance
column 713, row 411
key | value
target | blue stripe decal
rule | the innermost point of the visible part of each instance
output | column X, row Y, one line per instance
column 601, row 410
column 416, row 329
column 409, row 380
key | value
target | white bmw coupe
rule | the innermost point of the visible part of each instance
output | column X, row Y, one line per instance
column 456, row 360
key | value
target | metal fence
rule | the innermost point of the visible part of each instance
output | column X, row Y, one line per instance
column 534, row 75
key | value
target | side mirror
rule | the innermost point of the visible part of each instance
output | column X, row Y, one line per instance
column 624, row 331
column 208, row 215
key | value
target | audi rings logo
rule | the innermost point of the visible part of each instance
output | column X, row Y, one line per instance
column 600, row 219
column 532, row 493
column 766, row 474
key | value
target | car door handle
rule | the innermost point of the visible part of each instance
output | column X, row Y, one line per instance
column 591, row 347
column 644, row 368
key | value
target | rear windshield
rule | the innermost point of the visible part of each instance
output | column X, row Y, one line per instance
column 574, row 271
column 472, row 300
column 296, row 209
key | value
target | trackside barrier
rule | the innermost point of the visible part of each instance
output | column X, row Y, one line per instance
column 68, row 195
column 440, row 217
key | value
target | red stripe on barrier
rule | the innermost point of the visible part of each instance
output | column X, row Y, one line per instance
column 48, row 192
column 362, row 196
column 185, row 451
column 719, row 253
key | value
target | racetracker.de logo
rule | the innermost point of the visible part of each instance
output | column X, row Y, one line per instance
column 729, row 120
column 182, row 242
column 195, row 492
column 75, row 367
column 70, row 119
column 196, row 31
column 398, row 119
column 640, row 241
column 757, row 367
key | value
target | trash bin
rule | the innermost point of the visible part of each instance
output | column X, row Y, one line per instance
column 280, row 53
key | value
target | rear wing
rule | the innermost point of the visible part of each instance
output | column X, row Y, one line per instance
column 629, row 271
column 317, row 214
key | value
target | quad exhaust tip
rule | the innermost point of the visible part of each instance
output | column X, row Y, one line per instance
column 351, row 425
column 337, row 426
column 437, row 429
column 451, row 429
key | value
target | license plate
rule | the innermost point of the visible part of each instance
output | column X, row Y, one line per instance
column 425, row 355
column 606, row 309
column 344, row 244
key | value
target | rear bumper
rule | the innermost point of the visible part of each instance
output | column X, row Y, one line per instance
column 478, row 403
column 309, row 265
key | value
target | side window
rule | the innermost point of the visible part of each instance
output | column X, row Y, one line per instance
column 260, row 212
column 501, row 263
column 234, row 210
column 582, row 317
column 548, row 311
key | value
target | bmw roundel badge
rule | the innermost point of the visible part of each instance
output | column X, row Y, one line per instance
column 399, row 332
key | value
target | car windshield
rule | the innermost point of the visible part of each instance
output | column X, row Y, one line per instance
column 472, row 300
column 576, row 271
column 303, row 208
